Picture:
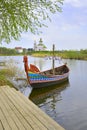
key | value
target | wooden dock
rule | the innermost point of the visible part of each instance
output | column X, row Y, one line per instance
column 17, row 112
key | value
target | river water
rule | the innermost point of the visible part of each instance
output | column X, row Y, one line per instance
column 67, row 102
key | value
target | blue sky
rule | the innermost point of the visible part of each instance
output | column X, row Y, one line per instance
column 67, row 30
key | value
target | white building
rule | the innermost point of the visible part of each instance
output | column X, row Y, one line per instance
column 40, row 46
column 19, row 49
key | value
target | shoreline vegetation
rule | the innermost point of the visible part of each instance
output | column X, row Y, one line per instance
column 71, row 54
column 8, row 70
column 3, row 78
column 64, row 54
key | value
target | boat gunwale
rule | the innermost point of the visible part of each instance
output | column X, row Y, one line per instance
column 43, row 73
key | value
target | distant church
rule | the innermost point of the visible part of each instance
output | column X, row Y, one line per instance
column 40, row 46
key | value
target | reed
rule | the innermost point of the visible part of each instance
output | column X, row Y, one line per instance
column 71, row 54
column 9, row 72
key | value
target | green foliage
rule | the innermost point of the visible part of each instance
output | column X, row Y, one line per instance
column 6, row 51
column 17, row 16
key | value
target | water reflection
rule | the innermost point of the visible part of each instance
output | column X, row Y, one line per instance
column 48, row 95
column 48, row 98
column 39, row 63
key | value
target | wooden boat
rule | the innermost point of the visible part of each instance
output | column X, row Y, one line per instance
column 46, row 78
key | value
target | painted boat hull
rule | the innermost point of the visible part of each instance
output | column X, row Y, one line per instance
column 46, row 84
column 50, row 80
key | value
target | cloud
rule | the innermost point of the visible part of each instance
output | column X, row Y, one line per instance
column 76, row 3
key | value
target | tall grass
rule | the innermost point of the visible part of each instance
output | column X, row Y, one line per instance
column 71, row 54
column 10, row 71
column 3, row 78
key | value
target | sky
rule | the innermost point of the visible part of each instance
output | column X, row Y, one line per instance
column 67, row 30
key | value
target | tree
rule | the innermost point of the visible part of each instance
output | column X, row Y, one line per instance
column 17, row 16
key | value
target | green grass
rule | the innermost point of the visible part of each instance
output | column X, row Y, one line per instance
column 4, row 73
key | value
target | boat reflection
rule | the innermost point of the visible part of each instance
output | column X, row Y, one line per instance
column 45, row 95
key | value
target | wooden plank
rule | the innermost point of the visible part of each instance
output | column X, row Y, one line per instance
column 37, row 114
column 1, row 126
column 36, row 124
column 9, row 112
column 4, row 121
column 29, row 112
column 16, row 115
